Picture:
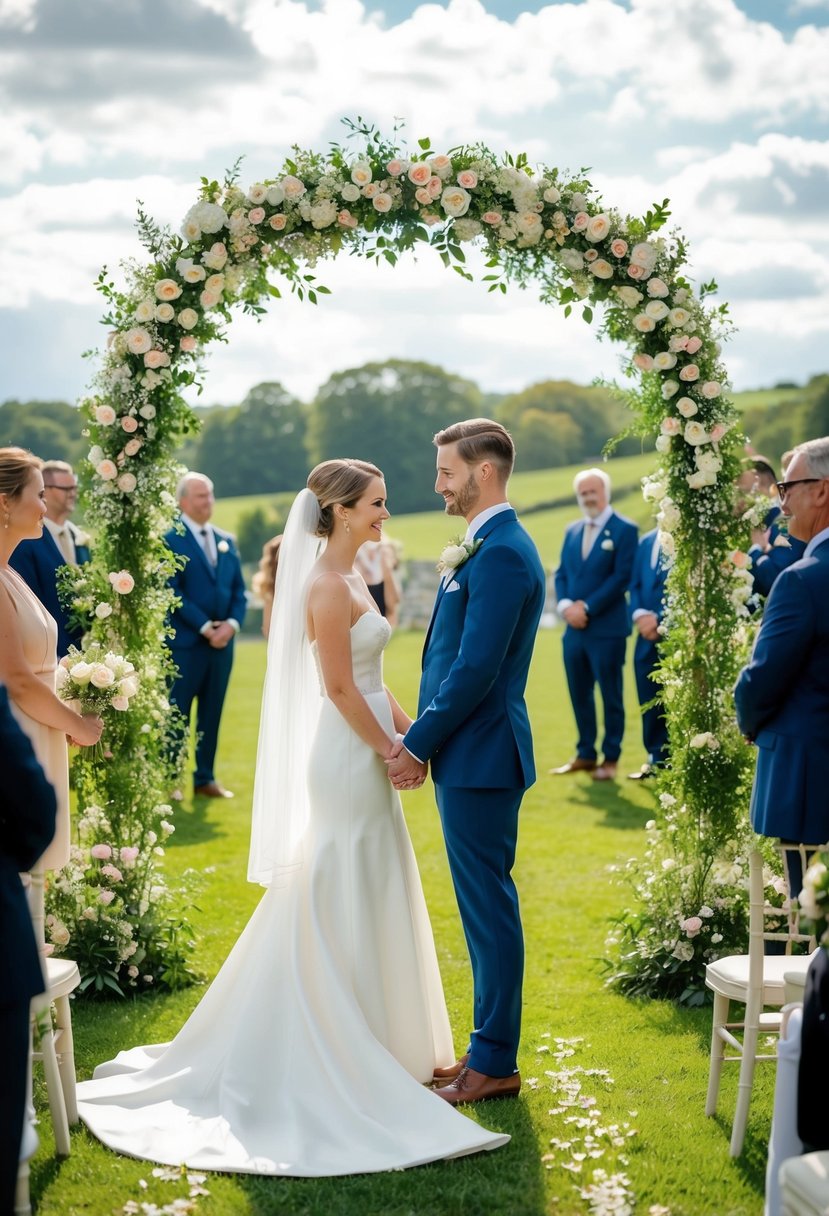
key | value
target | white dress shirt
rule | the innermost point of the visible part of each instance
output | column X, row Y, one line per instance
column 205, row 538
column 597, row 522
column 64, row 538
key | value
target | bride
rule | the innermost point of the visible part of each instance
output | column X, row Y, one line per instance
column 308, row 1054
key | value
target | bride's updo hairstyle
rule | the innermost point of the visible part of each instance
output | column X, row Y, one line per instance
column 16, row 465
column 339, row 483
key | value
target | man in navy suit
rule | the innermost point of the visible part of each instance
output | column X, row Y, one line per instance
column 61, row 544
column 211, row 608
column 647, row 604
column 27, row 825
column 591, row 588
column 782, row 695
column 772, row 549
column 473, row 726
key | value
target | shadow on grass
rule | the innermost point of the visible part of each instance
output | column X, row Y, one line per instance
column 607, row 797
column 194, row 824
column 504, row 1182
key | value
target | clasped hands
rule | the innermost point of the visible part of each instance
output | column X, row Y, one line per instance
column 220, row 633
column 405, row 773
column 575, row 615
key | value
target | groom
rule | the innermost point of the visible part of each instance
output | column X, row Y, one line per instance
column 473, row 727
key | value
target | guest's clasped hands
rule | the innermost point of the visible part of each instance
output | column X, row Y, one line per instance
column 405, row 773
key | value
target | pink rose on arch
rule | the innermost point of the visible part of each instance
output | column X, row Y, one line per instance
column 395, row 168
column 346, row 219
column 717, row 431
column 277, row 222
column 128, row 854
column 138, row 341
column 370, row 189
column 209, row 299
column 468, row 178
column 442, row 165
column 644, row 323
column 420, row 173
column 689, row 373
column 643, row 362
column 635, row 271
column 188, row 344
column 167, row 289
column 101, row 852
column 618, row 247
column 492, row 217
column 107, row 470
column 670, row 426
column 127, row 483
column 434, row 187
column 112, row 873
column 657, row 288
column 741, row 560
column 256, row 215
column 711, row 389
column 129, row 424
column 423, row 196
column 691, row 926
column 122, row 581
column 106, row 897
column 693, row 345
column 597, row 228
column 382, row 202
column 132, row 447
column 580, row 221
column 156, row 358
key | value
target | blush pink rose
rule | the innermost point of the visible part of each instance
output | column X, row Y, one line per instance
column 423, row 196
column 711, row 389
column 689, row 373
column 717, row 431
column 156, row 358
column 396, row 167
column 277, row 222
column 670, row 426
column 468, row 178
column 693, row 345
column 580, row 221
column 133, row 447
column 106, row 897
column 420, row 173
column 618, row 247
column 346, row 219
column 691, row 926
column 129, row 424
column 492, row 217
column 434, row 186
column 128, row 854
column 635, row 271
column 107, row 470
column 188, row 344
column 256, row 215
column 643, row 362
column 101, row 852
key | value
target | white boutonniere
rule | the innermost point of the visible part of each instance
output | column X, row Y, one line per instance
column 81, row 538
column 456, row 553
column 223, row 546
column 608, row 544
column 781, row 542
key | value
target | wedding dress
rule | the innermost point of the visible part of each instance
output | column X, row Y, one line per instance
column 307, row 1055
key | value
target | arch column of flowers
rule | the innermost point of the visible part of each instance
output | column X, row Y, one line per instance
column 537, row 225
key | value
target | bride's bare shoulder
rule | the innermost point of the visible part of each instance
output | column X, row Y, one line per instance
column 328, row 588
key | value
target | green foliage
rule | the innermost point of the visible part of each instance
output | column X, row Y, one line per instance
column 557, row 422
column 47, row 428
column 388, row 412
column 265, row 436
column 254, row 529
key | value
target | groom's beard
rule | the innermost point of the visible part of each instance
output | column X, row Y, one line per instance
column 464, row 499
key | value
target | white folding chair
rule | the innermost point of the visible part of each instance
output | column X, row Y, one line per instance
column 756, row 980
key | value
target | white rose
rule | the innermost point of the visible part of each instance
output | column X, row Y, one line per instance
column 350, row 192
column 629, row 296
column 597, row 228
column 361, row 173
column 188, row 318
column 644, row 323
column 455, row 200
column 258, row 192
column 669, row 389
column 215, row 257
column 643, row 255
column 669, row 516
column 165, row 312
column 571, row 259
column 147, row 411
column 81, row 672
column 707, row 462
column 697, row 480
column 551, row 195
column 101, row 676
column 167, row 289
column 657, row 287
column 664, row 361
column 275, row 195
column 96, row 453
column 663, row 444
column 695, row 433
column 653, row 490
column 452, row 556
column 138, row 341
column 667, row 544
column 711, row 389
column 687, row 407
column 292, row 187
column 657, row 309
column 103, row 610
column 679, row 317
column 145, row 311
column 104, row 416
column 602, row 269
column 323, row 213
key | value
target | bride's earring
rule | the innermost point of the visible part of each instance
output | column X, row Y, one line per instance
column 6, row 520
column 347, row 525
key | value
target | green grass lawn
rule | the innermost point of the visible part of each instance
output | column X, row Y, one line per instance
column 657, row 1055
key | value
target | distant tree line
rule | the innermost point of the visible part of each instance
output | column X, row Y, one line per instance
column 805, row 416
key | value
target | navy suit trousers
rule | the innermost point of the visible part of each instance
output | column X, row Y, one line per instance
column 481, row 831
column 589, row 661
column 654, row 724
column 203, row 677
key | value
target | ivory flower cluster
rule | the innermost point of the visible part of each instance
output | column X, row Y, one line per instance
column 95, row 680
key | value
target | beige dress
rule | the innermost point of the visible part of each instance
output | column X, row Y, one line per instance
column 39, row 636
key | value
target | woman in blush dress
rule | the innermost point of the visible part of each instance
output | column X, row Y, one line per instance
column 310, row 1052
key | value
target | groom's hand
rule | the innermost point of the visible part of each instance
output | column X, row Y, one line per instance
column 405, row 772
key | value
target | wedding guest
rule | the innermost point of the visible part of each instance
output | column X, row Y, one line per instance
column 60, row 544
column 591, row 588
column 647, row 605
column 27, row 824
column 264, row 580
column 211, row 594
column 376, row 561
column 782, row 695
column 772, row 549
column 28, row 646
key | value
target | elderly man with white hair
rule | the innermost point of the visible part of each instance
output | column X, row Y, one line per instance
column 211, row 608
column 592, row 581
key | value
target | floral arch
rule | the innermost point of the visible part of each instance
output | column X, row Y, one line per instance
column 537, row 225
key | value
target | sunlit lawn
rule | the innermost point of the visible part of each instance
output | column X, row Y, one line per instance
column 657, row 1055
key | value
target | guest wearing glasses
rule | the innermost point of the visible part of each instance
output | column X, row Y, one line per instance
column 782, row 695
column 60, row 544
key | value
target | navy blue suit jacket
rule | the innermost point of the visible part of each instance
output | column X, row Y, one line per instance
column 765, row 567
column 472, row 718
column 27, row 825
column 37, row 562
column 647, row 592
column 782, row 699
column 207, row 593
column 603, row 578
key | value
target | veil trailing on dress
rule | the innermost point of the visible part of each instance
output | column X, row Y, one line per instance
column 290, row 708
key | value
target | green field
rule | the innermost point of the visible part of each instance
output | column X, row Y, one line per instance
column 657, row 1055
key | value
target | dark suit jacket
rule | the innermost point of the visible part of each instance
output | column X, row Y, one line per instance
column 647, row 592
column 27, row 825
column 782, row 699
column 603, row 578
column 207, row 593
column 37, row 561
column 813, row 1069
column 472, row 719
column 766, row 566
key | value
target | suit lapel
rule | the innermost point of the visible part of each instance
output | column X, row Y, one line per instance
column 189, row 539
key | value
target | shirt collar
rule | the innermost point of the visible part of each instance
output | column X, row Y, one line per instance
column 483, row 516
column 815, row 541
column 601, row 519
column 195, row 528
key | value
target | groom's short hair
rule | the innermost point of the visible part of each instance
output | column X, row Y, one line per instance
column 480, row 439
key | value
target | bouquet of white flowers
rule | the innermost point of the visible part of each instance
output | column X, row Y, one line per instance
column 96, row 680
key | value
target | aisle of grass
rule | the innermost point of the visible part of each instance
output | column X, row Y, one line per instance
column 657, row 1055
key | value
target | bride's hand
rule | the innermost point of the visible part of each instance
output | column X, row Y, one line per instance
column 88, row 730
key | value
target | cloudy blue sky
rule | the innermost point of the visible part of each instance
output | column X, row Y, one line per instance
column 721, row 105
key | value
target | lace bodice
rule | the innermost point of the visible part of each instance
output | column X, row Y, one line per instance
column 370, row 635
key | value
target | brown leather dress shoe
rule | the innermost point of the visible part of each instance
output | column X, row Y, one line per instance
column 212, row 789
column 576, row 765
column 606, row 771
column 441, row 1076
column 472, row 1086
